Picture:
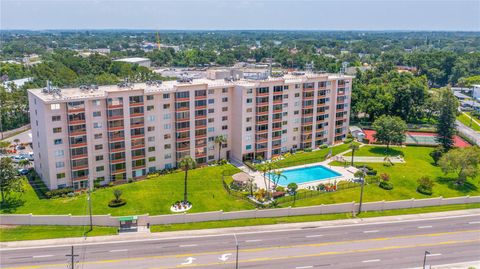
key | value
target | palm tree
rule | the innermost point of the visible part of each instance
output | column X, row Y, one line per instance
column 186, row 163
column 24, row 163
column 220, row 139
column 265, row 168
column 3, row 146
column 251, row 185
column 277, row 175
column 354, row 147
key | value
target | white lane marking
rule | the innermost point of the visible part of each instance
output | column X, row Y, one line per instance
column 474, row 222
column 42, row 256
column 5, row 249
column 253, row 240
column 224, row 257
column 304, row 267
column 187, row 246
column 424, row 227
column 314, row 235
column 118, row 250
column 375, row 260
column 372, row 231
column 188, row 261
column 434, row 254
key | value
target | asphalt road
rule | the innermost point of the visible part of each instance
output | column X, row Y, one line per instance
column 475, row 136
column 396, row 244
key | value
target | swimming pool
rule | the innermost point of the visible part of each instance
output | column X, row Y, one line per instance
column 307, row 175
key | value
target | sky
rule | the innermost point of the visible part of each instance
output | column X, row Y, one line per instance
column 432, row 15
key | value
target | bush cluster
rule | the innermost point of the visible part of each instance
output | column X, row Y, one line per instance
column 385, row 185
column 117, row 203
column 58, row 192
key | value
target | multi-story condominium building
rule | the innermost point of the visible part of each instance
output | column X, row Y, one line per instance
column 121, row 132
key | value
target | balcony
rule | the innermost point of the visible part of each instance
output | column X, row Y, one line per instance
column 119, row 171
column 74, row 122
column 136, row 104
column 277, row 120
column 261, row 122
column 308, row 114
column 200, row 117
column 199, row 155
column 183, row 139
column 308, row 107
column 116, row 128
column 200, row 97
column 134, row 115
column 262, row 94
column 75, row 110
column 277, row 102
column 117, row 149
column 117, row 161
column 262, row 112
column 261, row 150
column 276, row 146
column 81, row 167
column 277, row 128
column 180, row 109
column 183, row 99
column 262, row 140
column 79, row 178
column 306, row 131
column 117, row 138
column 183, row 129
column 262, row 131
column 138, row 146
column 138, row 167
column 199, row 127
column 78, row 145
column 78, row 133
column 138, row 157
column 114, row 106
column 76, row 157
column 115, row 117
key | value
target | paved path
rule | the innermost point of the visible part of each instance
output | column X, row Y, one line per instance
column 367, row 159
column 387, row 242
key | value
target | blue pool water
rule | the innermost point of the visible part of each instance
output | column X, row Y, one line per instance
column 307, row 174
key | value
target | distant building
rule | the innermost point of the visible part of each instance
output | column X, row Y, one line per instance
column 137, row 60
column 476, row 92
column 353, row 69
column 17, row 83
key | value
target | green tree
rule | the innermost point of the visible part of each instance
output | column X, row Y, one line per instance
column 292, row 187
column 446, row 119
column 186, row 163
column 117, row 193
column 220, row 140
column 465, row 162
column 9, row 181
column 436, row 154
column 24, row 163
column 389, row 130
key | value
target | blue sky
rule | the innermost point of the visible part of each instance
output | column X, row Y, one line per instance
column 248, row 14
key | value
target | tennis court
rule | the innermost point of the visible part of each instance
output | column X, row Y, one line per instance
column 420, row 138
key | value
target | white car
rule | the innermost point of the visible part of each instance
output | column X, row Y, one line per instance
column 16, row 158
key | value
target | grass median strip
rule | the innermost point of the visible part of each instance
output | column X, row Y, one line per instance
column 20, row 233
column 308, row 218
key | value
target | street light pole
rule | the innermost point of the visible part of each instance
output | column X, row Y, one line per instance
column 236, row 255
column 425, row 258
column 361, row 190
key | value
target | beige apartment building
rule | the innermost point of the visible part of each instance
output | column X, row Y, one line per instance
column 120, row 132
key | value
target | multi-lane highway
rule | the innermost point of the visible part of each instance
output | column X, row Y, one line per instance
column 385, row 244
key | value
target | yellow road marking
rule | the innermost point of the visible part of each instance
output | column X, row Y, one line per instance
column 263, row 249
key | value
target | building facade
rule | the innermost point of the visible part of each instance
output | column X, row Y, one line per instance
column 120, row 132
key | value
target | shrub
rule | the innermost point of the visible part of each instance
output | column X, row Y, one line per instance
column 324, row 146
column 58, row 192
column 348, row 141
column 385, row 176
column 425, row 185
column 372, row 172
column 385, row 185
column 321, row 187
column 114, row 203
column 280, row 188
column 308, row 150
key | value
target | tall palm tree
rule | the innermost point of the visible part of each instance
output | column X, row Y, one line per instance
column 220, row 140
column 24, row 163
column 266, row 168
column 186, row 163
column 277, row 175
column 354, row 147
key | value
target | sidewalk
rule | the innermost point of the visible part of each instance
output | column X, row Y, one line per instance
column 460, row 265
column 232, row 230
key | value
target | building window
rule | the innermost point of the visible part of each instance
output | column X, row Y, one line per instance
column 96, row 102
column 248, row 129
column 167, row 146
column 211, row 110
column 97, row 113
column 211, row 91
column 167, row 136
column 225, row 127
column 249, row 100
column 248, row 147
column 97, row 125
column 98, row 136
column 167, row 156
column 100, row 168
column 150, row 108
column 60, row 175
column 249, row 110
column 57, row 141
column 151, row 139
column 166, row 96
column 224, row 118
column 167, row 116
column 225, row 99
column 166, row 106
column 57, row 130
column 151, row 128
column 211, row 101
column 167, row 126
column 151, row 159
column 55, row 106
column 211, row 129
column 149, row 97
column 249, row 91
column 224, row 90
column 151, row 118
column 59, row 164
column 225, row 108
column 99, row 158
column 98, row 147
column 151, row 149
column 56, row 118
column 59, row 153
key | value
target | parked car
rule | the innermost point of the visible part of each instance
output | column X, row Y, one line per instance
column 23, row 171
column 16, row 158
column 20, row 147
column 27, row 156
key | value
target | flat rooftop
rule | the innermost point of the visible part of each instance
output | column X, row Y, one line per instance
column 78, row 93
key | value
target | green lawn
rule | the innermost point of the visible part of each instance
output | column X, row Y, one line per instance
column 294, row 219
column 19, row 233
column 466, row 120
column 301, row 158
column 404, row 178
column 153, row 196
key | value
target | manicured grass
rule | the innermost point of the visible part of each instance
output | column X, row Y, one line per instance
column 377, row 151
column 294, row 219
column 153, row 196
column 19, row 233
column 466, row 120
column 301, row 158
column 404, row 178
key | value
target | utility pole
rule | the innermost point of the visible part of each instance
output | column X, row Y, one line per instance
column 72, row 259
column 90, row 209
column 236, row 255
column 425, row 258
column 361, row 190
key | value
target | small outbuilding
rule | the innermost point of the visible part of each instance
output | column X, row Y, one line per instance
column 357, row 132
column 128, row 224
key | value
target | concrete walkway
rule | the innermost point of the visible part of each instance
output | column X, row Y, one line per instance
column 371, row 159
